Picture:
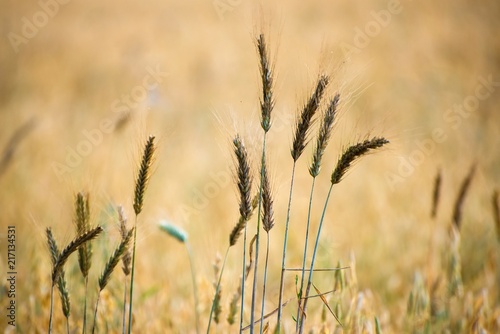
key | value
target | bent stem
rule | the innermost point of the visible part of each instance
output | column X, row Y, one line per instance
column 309, row 281
column 283, row 262
column 217, row 290
column 304, row 259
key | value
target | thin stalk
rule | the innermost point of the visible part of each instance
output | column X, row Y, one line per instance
column 51, row 308
column 304, row 259
column 67, row 325
column 243, row 276
column 264, row 286
column 217, row 290
column 84, row 329
column 195, row 289
column 124, row 325
column 132, row 280
column 283, row 262
column 257, row 239
column 95, row 311
column 309, row 281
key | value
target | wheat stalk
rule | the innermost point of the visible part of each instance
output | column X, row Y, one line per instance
column 344, row 163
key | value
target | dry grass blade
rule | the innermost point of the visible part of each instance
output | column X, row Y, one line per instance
column 82, row 222
column 127, row 257
column 144, row 174
column 266, row 73
column 496, row 212
column 306, row 118
column 436, row 192
column 325, row 131
column 266, row 316
column 250, row 256
column 267, row 201
column 457, row 209
column 114, row 259
column 71, row 248
column 244, row 188
column 323, row 299
column 352, row 153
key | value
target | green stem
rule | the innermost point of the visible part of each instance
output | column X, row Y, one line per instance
column 243, row 277
column 131, row 296
column 257, row 239
column 51, row 308
column 67, row 325
column 313, row 260
column 95, row 311
column 195, row 289
column 304, row 259
column 84, row 329
column 217, row 288
column 283, row 262
column 264, row 286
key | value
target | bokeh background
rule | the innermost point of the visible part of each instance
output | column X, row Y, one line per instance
column 401, row 69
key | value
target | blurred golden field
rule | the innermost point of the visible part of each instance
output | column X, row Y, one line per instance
column 76, row 107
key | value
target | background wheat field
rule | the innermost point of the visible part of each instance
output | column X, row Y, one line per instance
column 84, row 83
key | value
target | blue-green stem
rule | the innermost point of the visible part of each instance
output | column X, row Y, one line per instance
column 132, row 280
column 243, row 277
column 264, row 286
column 257, row 239
column 283, row 260
column 304, row 259
column 313, row 260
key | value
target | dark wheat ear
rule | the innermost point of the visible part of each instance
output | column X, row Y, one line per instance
column 82, row 221
column 267, row 200
column 144, row 174
column 244, row 188
column 61, row 280
column 306, row 118
column 436, row 193
column 496, row 212
column 266, row 73
column 71, row 248
column 459, row 202
column 114, row 259
column 325, row 131
column 354, row 152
